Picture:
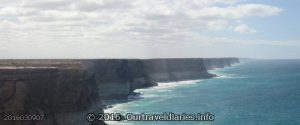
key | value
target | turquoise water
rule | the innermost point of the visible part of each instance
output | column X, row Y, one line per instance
column 260, row 92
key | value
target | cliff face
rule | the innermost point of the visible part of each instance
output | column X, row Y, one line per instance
column 117, row 78
column 211, row 63
column 65, row 91
column 164, row 70
column 63, row 96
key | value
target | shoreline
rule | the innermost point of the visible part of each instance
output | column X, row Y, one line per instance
column 112, row 103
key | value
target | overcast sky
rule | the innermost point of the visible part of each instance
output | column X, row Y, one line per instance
column 149, row 28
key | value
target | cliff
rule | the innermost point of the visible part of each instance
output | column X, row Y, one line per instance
column 211, row 63
column 117, row 78
column 164, row 70
column 65, row 91
column 62, row 96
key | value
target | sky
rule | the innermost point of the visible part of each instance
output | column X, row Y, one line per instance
column 265, row 29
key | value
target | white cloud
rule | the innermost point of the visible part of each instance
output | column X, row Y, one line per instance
column 244, row 28
column 235, row 12
column 57, row 22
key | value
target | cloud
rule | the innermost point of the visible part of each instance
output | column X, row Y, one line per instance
column 57, row 22
column 244, row 28
column 235, row 12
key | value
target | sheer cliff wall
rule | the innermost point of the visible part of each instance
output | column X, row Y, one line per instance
column 65, row 91
column 117, row 78
column 60, row 96
column 211, row 63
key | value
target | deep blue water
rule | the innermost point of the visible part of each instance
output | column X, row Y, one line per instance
column 258, row 92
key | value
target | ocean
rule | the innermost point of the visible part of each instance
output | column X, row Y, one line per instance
column 253, row 92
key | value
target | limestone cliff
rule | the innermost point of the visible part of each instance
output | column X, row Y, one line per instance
column 164, row 70
column 211, row 63
column 117, row 78
column 65, row 91
column 62, row 96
